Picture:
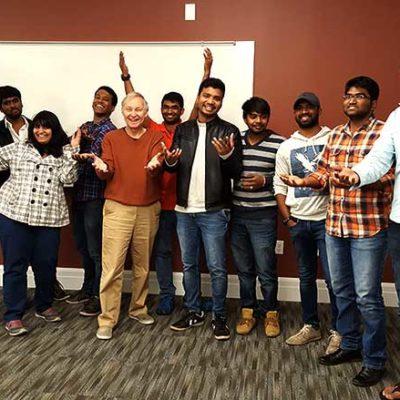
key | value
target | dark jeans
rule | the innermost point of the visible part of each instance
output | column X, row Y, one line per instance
column 394, row 250
column 162, row 253
column 87, row 226
column 308, row 238
column 25, row 245
column 253, row 240
column 209, row 227
column 356, row 266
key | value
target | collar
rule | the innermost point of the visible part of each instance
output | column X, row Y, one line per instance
column 367, row 126
column 8, row 124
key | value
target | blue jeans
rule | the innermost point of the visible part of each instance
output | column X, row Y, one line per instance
column 209, row 227
column 162, row 253
column 308, row 238
column 25, row 245
column 394, row 247
column 87, row 227
column 253, row 240
column 356, row 266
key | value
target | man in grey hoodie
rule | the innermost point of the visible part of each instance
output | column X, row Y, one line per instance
column 304, row 211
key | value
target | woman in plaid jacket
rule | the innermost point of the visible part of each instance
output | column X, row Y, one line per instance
column 32, row 211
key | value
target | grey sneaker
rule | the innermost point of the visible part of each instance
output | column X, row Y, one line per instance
column 104, row 333
column 144, row 319
column 16, row 328
column 334, row 341
column 306, row 334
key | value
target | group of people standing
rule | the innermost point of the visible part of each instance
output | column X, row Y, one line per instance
column 136, row 186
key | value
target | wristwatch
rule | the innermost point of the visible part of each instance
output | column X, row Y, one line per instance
column 125, row 77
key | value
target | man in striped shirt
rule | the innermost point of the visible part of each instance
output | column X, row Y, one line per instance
column 356, row 226
column 254, row 220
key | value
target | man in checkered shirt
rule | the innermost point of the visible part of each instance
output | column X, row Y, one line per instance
column 356, row 226
column 87, row 207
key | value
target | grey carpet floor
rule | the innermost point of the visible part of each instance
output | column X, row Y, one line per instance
column 65, row 361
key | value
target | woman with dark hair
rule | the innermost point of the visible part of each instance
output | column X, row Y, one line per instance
column 32, row 210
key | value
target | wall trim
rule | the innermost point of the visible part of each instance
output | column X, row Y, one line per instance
column 72, row 278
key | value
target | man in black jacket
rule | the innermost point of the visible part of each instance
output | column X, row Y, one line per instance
column 206, row 154
column 14, row 126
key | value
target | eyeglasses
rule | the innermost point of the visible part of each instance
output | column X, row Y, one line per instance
column 357, row 96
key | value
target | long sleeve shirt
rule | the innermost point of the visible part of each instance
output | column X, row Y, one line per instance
column 380, row 159
column 354, row 213
column 127, row 180
column 34, row 192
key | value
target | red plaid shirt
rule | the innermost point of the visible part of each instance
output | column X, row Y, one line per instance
column 355, row 213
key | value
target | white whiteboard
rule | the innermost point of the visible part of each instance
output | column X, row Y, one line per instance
column 62, row 77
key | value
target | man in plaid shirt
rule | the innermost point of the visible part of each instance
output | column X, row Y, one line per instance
column 356, row 227
column 87, row 207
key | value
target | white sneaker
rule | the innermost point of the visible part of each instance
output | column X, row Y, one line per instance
column 104, row 333
column 305, row 335
column 334, row 341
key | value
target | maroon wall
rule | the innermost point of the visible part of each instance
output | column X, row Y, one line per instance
column 300, row 45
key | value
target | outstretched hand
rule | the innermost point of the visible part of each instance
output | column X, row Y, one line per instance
column 224, row 145
column 292, row 180
column 155, row 163
column 122, row 64
column 171, row 157
column 344, row 176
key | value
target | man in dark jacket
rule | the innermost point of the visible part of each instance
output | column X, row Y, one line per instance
column 14, row 126
column 206, row 154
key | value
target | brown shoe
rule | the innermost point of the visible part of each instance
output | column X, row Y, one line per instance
column 246, row 322
column 333, row 342
column 271, row 324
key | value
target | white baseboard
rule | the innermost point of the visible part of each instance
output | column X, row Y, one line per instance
column 72, row 278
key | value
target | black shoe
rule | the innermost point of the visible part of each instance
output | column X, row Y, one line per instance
column 78, row 297
column 91, row 308
column 220, row 329
column 368, row 377
column 190, row 320
column 59, row 292
column 340, row 356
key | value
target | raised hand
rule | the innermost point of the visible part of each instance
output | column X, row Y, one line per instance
column 208, row 61
column 224, row 145
column 122, row 64
column 253, row 182
column 76, row 138
column 292, row 180
column 171, row 157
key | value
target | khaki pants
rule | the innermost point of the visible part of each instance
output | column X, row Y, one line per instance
column 126, row 228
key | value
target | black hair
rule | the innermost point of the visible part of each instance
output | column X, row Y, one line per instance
column 256, row 104
column 366, row 83
column 59, row 138
column 174, row 97
column 214, row 83
column 9, row 91
column 111, row 92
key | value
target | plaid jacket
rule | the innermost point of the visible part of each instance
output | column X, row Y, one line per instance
column 355, row 213
column 34, row 193
column 89, row 186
